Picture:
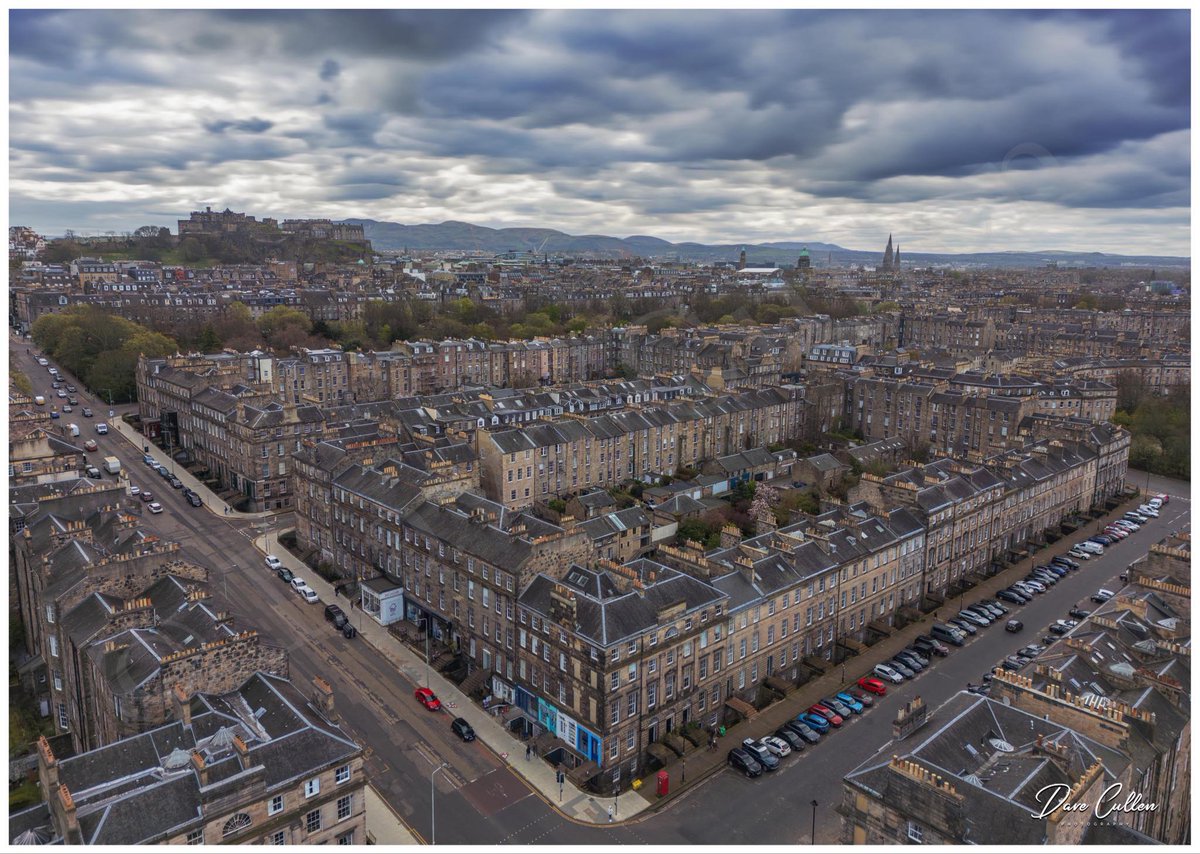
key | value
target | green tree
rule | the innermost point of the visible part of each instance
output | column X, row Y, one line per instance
column 209, row 341
column 192, row 250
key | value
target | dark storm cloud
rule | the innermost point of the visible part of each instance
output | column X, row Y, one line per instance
column 330, row 69
column 254, row 125
column 651, row 114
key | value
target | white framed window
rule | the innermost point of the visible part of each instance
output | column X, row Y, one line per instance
column 195, row 837
column 312, row 787
column 275, row 805
column 279, row 837
column 344, row 805
column 915, row 832
column 312, row 821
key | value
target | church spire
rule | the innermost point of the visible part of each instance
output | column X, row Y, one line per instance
column 887, row 256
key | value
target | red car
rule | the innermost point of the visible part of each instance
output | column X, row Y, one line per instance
column 827, row 713
column 428, row 699
column 873, row 685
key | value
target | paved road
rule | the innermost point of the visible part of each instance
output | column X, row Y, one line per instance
column 482, row 802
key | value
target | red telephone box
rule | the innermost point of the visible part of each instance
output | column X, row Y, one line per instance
column 664, row 783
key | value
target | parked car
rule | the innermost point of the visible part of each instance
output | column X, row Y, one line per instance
column 1065, row 561
column 1012, row 596
column 872, row 685
column 972, row 617
column 776, row 745
column 964, row 625
column 948, row 633
column 829, row 714
column 1034, row 584
column 1163, row 497
column 194, row 500
column 273, row 562
column 902, row 668
column 913, row 659
column 922, row 658
column 1091, row 548
column 1145, row 509
column 996, row 607
column 74, row 401
column 175, row 482
column 135, row 490
column 333, row 612
column 285, row 573
column 814, row 722
column 863, row 697
column 1101, row 540
column 146, row 495
column 297, row 583
column 1058, row 629
column 155, row 507
column 462, row 729
column 1011, row 663
column 90, row 445
column 308, row 595
column 740, row 760
column 86, row 412
column 764, row 757
column 428, row 699
column 1079, row 554
column 849, row 701
column 1102, row 595
column 1013, row 626
column 794, row 740
column 1079, row 613
column 838, row 706
column 928, row 646
column 1032, row 650
column 802, row 729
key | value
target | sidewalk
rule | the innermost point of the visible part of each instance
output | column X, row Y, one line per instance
column 576, row 804
column 384, row 826
column 699, row 764
column 211, row 501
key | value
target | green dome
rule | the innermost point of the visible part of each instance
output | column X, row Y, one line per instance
column 804, row 252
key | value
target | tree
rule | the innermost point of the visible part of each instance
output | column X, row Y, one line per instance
column 284, row 326
column 192, row 250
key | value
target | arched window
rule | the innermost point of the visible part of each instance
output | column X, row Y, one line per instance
column 239, row 822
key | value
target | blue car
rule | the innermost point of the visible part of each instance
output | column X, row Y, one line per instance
column 849, row 701
column 1100, row 540
column 814, row 722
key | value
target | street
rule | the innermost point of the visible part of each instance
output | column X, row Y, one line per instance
column 480, row 800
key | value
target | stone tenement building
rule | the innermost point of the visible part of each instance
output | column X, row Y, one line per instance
column 122, row 658
column 524, row 465
column 973, row 777
column 979, row 516
column 261, row 764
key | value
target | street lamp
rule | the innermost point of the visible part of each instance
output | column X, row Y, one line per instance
column 433, row 805
column 813, row 838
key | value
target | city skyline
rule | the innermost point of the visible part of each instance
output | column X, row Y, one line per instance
column 1071, row 133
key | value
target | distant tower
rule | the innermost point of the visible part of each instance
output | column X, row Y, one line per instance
column 896, row 260
column 742, row 260
column 804, row 263
column 887, row 256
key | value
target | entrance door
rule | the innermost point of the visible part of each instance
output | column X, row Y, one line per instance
column 652, row 734
column 670, row 723
column 770, row 664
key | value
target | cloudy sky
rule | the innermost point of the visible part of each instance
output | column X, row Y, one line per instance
column 957, row 131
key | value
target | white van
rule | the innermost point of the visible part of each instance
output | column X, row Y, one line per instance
column 39, row 400
column 74, row 428
column 1089, row 546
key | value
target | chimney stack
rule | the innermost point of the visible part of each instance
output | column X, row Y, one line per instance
column 62, row 807
column 323, row 698
column 243, row 752
column 201, row 768
column 181, row 705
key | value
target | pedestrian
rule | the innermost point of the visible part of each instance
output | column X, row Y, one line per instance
column 528, row 752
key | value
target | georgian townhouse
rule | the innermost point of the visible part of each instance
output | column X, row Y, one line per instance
column 608, row 659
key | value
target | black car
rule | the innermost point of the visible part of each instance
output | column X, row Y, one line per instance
column 744, row 762
column 994, row 605
column 332, row 612
column 901, row 666
column 1013, row 626
column 194, row 500
column 1079, row 613
column 1065, row 561
column 1011, row 596
column 1058, row 629
column 792, row 738
column 462, row 729
column 165, row 473
column 761, row 753
column 913, row 652
column 348, row 631
column 928, row 647
column 87, row 412
column 804, row 731
column 285, row 573
column 1011, row 663
column 176, row 483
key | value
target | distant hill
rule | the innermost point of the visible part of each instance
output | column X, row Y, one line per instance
column 452, row 235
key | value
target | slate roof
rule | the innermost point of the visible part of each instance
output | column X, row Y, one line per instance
column 998, row 786
column 608, row 611
column 124, row 794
